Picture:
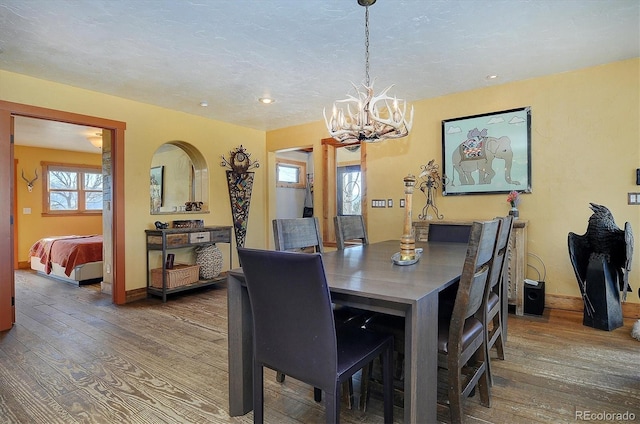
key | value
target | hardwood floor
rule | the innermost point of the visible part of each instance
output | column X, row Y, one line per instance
column 74, row 357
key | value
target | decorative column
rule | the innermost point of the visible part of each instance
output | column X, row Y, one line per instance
column 240, row 183
column 408, row 241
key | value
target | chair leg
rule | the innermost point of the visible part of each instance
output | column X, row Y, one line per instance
column 258, row 394
column 483, row 382
column 455, row 395
column 347, row 392
column 332, row 406
column 387, row 381
column 364, row 386
column 499, row 343
column 494, row 338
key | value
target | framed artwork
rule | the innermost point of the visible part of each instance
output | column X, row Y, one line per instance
column 488, row 153
column 157, row 187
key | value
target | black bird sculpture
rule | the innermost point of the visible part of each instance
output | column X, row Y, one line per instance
column 601, row 260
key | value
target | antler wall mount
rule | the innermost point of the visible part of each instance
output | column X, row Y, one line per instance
column 30, row 182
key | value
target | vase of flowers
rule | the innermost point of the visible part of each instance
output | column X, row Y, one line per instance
column 514, row 199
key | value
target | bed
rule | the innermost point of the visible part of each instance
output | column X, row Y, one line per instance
column 74, row 259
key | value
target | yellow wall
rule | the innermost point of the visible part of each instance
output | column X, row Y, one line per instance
column 585, row 148
column 147, row 128
column 34, row 226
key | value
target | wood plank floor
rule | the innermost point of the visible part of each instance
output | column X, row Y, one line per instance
column 74, row 357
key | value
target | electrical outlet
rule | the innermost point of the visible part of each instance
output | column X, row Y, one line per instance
column 402, row 203
column 378, row 203
column 634, row 199
column 389, row 203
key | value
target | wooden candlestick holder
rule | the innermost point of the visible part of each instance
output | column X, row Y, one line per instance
column 408, row 241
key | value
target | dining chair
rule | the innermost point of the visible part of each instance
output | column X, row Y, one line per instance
column 438, row 232
column 299, row 337
column 350, row 228
column 453, row 233
column 497, row 294
column 297, row 234
column 303, row 235
column 462, row 354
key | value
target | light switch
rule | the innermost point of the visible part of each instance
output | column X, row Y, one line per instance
column 26, row 211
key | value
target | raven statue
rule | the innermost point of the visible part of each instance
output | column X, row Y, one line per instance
column 601, row 260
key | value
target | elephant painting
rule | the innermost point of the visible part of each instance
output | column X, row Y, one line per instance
column 477, row 154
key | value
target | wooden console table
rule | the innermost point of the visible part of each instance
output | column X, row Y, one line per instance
column 517, row 256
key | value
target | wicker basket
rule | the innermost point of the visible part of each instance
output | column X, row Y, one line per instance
column 179, row 275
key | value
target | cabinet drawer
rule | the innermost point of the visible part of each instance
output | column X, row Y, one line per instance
column 200, row 237
column 220, row 235
column 172, row 239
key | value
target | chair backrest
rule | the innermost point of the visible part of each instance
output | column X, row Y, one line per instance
column 293, row 325
column 350, row 227
column 297, row 233
column 501, row 251
column 454, row 233
column 474, row 278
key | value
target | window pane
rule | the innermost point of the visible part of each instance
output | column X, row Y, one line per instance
column 93, row 201
column 63, row 200
column 349, row 183
column 92, row 181
column 63, row 180
column 288, row 174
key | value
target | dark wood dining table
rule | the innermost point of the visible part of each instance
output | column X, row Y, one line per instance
column 366, row 277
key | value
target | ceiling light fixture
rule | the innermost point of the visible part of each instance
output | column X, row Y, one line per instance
column 266, row 100
column 204, row 103
column 375, row 118
column 96, row 140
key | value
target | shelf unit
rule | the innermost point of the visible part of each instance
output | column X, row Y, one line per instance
column 179, row 238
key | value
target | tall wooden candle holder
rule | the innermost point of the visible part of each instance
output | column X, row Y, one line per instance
column 408, row 241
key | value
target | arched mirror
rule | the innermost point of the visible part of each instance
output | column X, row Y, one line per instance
column 179, row 180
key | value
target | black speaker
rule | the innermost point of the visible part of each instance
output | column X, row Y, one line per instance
column 534, row 299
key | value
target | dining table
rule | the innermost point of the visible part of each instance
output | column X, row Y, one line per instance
column 366, row 277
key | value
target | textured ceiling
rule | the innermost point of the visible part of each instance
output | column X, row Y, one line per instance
column 304, row 53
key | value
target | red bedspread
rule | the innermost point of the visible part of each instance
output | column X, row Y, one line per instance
column 67, row 251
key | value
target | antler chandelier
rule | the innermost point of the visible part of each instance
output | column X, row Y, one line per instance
column 373, row 118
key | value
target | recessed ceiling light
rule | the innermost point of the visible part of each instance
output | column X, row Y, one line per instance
column 266, row 100
column 204, row 103
column 490, row 77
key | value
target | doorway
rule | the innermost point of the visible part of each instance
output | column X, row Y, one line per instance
column 344, row 183
column 113, row 213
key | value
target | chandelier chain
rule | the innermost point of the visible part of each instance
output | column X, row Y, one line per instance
column 367, row 117
column 366, row 45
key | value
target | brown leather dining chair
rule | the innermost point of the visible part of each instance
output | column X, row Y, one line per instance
column 497, row 293
column 462, row 354
column 350, row 228
column 299, row 337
